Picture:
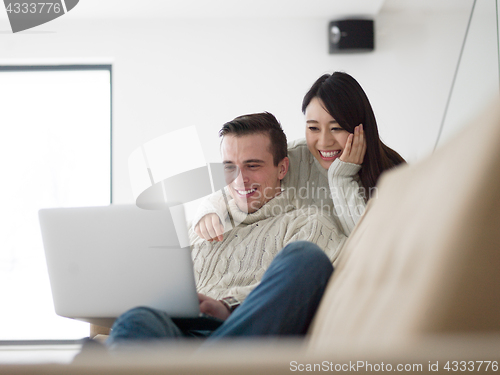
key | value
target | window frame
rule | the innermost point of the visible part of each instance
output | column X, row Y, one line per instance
column 67, row 67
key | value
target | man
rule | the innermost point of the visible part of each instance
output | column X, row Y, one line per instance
column 254, row 153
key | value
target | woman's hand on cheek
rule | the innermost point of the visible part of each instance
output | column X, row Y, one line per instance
column 355, row 147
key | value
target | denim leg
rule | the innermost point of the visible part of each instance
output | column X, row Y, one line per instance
column 285, row 301
column 141, row 324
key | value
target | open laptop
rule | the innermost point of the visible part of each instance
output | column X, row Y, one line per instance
column 103, row 261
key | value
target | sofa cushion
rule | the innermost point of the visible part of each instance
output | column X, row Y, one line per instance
column 425, row 257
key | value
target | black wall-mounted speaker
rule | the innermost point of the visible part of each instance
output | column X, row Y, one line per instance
column 353, row 35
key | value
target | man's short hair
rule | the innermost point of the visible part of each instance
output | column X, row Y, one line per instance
column 259, row 123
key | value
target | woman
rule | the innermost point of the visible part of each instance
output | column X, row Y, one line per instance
column 338, row 164
column 342, row 98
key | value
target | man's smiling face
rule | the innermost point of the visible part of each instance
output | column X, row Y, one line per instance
column 252, row 177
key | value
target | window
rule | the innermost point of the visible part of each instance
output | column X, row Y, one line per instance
column 55, row 151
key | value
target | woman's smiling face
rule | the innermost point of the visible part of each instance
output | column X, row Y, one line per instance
column 326, row 139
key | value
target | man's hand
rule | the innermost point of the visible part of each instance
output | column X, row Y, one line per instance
column 213, row 307
column 210, row 228
column 355, row 147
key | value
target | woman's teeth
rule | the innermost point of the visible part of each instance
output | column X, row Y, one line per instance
column 329, row 154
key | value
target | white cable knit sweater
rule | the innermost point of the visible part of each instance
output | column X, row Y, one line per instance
column 236, row 265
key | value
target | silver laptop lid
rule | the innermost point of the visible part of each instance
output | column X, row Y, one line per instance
column 103, row 261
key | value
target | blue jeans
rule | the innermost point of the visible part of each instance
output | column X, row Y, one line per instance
column 283, row 304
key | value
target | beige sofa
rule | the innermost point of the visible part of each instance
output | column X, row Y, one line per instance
column 418, row 283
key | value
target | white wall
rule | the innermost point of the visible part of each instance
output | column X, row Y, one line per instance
column 173, row 73
column 477, row 81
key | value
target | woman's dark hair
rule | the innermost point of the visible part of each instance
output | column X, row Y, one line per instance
column 344, row 99
column 260, row 123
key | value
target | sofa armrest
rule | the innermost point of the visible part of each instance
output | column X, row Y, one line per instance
column 279, row 357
